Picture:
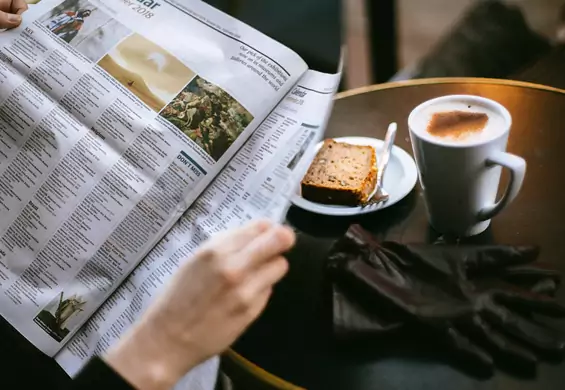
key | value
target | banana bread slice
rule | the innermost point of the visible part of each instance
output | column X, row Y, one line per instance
column 340, row 174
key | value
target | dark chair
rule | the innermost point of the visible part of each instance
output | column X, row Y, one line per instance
column 312, row 28
column 547, row 70
column 383, row 39
column 492, row 39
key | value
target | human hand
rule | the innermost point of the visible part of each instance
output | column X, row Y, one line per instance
column 10, row 13
column 209, row 302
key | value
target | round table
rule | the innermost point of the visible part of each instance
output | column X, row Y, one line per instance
column 291, row 341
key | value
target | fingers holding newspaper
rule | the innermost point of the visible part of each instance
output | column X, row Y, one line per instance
column 10, row 13
column 211, row 300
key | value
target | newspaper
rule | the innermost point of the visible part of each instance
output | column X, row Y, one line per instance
column 130, row 132
column 257, row 183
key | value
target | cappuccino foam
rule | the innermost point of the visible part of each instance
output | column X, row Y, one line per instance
column 459, row 122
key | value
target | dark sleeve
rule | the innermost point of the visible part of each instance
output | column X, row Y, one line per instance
column 96, row 374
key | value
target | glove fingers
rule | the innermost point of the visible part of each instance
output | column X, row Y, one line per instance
column 531, row 274
column 527, row 331
column 537, row 269
column 532, row 303
column 467, row 349
column 501, row 343
column 487, row 259
column 477, row 260
column 545, row 287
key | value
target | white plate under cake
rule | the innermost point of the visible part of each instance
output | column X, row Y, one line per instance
column 399, row 179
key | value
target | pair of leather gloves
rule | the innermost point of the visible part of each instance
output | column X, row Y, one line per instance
column 483, row 300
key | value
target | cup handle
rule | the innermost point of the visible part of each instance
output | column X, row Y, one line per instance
column 517, row 167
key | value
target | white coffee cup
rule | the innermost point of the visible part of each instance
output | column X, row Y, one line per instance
column 460, row 173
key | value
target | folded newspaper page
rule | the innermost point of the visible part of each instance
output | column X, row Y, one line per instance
column 258, row 182
column 115, row 115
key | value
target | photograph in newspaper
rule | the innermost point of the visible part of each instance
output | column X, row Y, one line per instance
column 85, row 27
column 147, row 70
column 208, row 115
column 55, row 317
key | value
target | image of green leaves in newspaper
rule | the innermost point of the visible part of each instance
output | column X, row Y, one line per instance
column 55, row 318
column 208, row 115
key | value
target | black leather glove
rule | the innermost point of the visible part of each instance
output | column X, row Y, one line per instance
column 482, row 299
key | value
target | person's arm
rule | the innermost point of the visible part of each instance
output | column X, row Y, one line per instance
column 97, row 374
column 210, row 301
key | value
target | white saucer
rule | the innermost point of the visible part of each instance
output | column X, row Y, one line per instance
column 400, row 178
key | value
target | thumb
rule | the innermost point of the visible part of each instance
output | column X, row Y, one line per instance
column 9, row 20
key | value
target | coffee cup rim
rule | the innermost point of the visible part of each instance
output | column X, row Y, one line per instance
column 503, row 111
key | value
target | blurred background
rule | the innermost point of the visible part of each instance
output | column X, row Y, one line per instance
column 391, row 40
column 438, row 38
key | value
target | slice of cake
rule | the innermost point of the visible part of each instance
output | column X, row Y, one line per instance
column 340, row 174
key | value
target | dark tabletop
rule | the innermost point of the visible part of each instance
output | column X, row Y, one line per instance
column 292, row 338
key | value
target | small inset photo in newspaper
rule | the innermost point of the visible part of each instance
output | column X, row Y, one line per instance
column 60, row 315
column 208, row 115
column 147, row 70
column 85, row 27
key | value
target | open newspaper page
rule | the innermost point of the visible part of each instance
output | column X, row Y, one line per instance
column 114, row 117
column 258, row 182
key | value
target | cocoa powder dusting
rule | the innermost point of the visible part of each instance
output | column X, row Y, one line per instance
column 456, row 124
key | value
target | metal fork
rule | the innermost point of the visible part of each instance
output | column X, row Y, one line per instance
column 379, row 194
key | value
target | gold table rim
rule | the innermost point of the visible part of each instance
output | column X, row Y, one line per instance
column 446, row 80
